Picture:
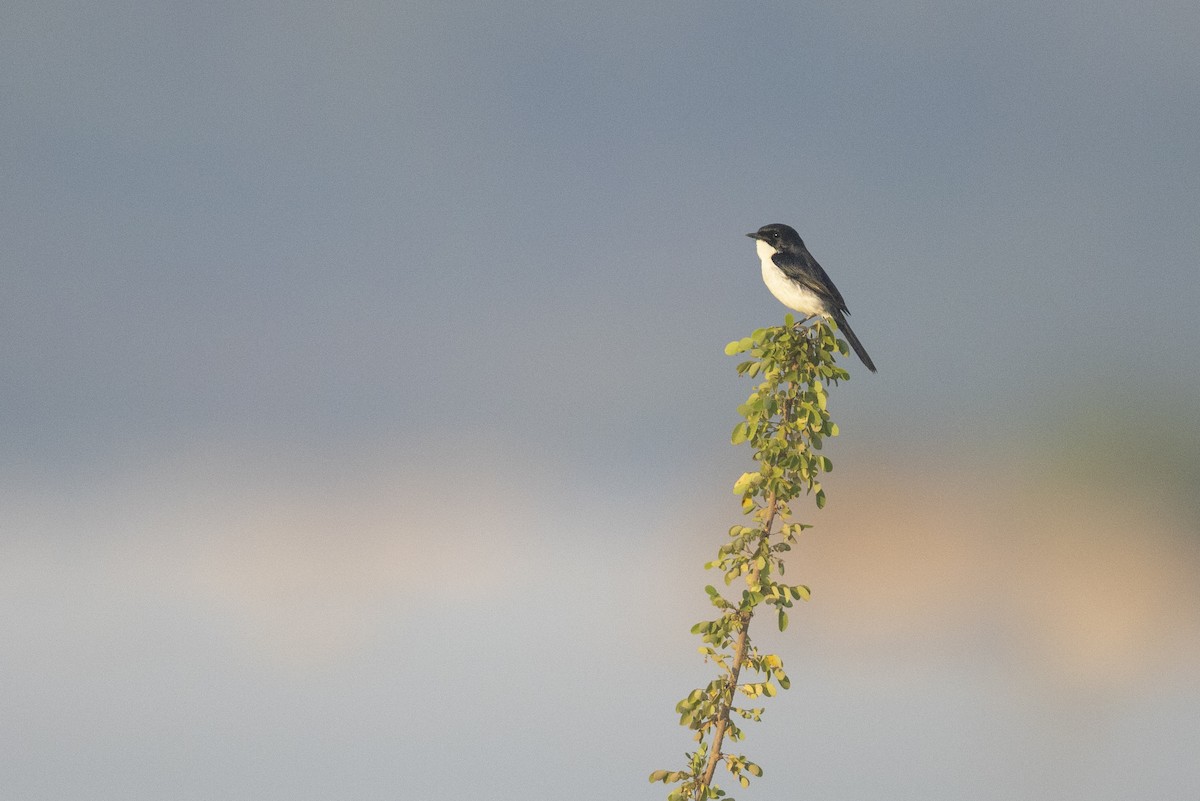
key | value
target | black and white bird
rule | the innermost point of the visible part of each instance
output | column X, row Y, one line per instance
column 795, row 278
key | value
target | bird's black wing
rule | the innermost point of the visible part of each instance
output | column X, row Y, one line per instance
column 801, row 267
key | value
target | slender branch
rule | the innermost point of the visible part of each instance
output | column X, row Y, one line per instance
column 793, row 363
column 739, row 658
column 743, row 639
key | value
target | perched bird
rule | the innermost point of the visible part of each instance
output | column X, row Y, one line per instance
column 795, row 278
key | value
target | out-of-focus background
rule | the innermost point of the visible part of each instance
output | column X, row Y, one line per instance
column 366, row 419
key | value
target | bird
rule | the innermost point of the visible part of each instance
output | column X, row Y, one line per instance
column 799, row 282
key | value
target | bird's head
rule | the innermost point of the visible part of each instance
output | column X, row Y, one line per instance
column 778, row 236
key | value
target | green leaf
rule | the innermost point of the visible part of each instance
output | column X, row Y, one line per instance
column 740, row 433
column 745, row 483
column 783, row 620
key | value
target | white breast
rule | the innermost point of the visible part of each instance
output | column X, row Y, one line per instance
column 788, row 292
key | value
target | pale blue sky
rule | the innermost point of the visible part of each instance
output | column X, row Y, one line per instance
column 291, row 281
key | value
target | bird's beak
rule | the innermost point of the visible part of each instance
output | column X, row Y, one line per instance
column 754, row 235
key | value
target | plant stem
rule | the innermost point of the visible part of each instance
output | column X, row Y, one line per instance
column 739, row 657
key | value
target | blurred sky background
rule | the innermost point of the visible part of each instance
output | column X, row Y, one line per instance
column 366, row 418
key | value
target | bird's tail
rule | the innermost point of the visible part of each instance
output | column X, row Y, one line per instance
column 845, row 328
